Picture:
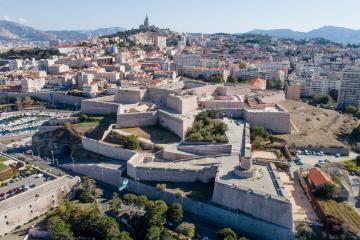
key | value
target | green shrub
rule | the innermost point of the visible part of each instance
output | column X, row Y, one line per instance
column 327, row 191
column 207, row 128
column 131, row 142
column 226, row 233
column 259, row 131
column 186, row 229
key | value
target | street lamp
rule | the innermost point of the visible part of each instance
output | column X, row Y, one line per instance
column 52, row 155
column 38, row 150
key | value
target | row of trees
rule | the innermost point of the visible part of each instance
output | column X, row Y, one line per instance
column 150, row 217
column 36, row 53
column 72, row 220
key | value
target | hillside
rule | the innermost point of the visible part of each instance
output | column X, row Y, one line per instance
column 14, row 31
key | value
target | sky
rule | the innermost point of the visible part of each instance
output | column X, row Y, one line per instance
column 207, row 16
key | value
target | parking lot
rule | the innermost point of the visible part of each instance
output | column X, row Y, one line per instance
column 310, row 161
column 15, row 185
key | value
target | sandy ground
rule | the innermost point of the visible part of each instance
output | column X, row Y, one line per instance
column 263, row 154
column 316, row 126
column 301, row 207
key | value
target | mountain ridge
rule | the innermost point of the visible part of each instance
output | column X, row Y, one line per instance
column 16, row 31
column 332, row 33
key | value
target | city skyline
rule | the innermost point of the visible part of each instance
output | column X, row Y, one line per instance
column 229, row 16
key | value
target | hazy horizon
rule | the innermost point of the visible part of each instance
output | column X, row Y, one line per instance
column 206, row 16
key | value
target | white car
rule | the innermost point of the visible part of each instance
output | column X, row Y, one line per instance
column 321, row 162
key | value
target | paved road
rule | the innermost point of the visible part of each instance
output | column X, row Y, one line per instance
column 28, row 181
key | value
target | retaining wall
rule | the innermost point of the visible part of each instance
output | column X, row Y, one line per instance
column 206, row 149
column 107, row 149
column 19, row 209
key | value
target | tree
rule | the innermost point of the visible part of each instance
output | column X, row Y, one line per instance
column 355, row 135
column 242, row 65
column 218, row 78
column 166, row 235
column 58, row 229
column 322, row 99
column 155, row 213
column 327, row 191
column 124, row 236
column 334, row 94
column 226, row 233
column 186, row 229
column 153, row 233
column 357, row 160
column 115, row 203
column 303, row 232
column 232, row 79
column 84, row 118
column 88, row 191
column 175, row 212
column 351, row 109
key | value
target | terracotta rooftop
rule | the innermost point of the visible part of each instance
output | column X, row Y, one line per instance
column 317, row 177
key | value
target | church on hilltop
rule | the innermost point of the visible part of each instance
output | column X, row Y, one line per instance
column 146, row 25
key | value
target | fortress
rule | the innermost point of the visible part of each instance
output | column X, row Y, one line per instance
column 244, row 189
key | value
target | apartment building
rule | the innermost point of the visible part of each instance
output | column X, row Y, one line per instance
column 349, row 94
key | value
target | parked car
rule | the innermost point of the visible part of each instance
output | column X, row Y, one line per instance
column 299, row 162
column 337, row 155
column 321, row 162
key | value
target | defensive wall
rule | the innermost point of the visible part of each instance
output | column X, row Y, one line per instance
column 54, row 98
column 168, row 174
column 266, row 207
column 21, row 208
column 177, row 124
column 158, row 95
column 276, row 121
column 107, row 149
column 237, row 220
column 128, row 95
column 182, row 104
column 99, row 106
column 221, row 104
column 141, row 119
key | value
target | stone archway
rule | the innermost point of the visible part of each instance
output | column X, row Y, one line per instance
column 65, row 150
